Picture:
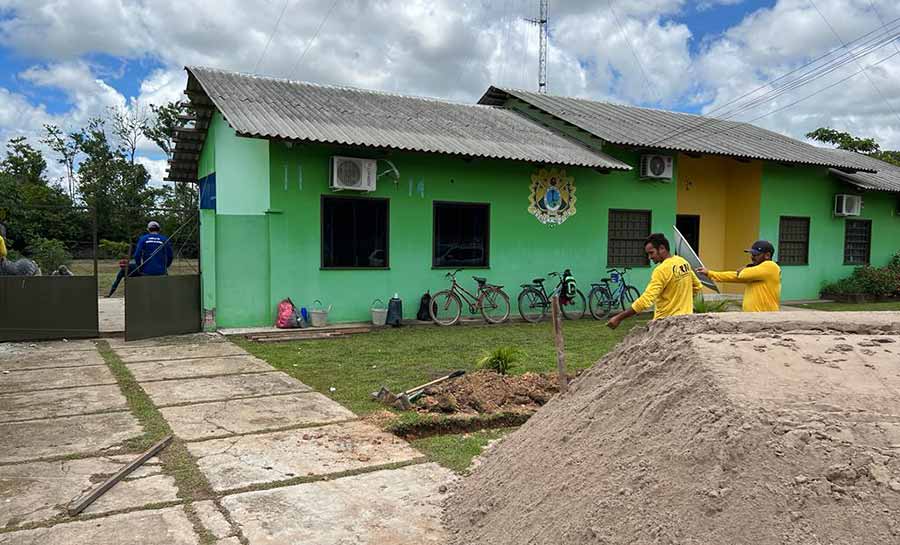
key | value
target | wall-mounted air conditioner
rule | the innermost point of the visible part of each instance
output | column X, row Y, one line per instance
column 847, row 205
column 656, row 167
column 352, row 173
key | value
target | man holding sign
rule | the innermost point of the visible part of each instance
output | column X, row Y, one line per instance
column 762, row 277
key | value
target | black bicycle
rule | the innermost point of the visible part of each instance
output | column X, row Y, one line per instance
column 534, row 301
column 604, row 296
column 490, row 300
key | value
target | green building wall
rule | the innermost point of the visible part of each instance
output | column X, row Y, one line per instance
column 809, row 192
column 263, row 241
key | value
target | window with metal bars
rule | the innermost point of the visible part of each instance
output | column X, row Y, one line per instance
column 857, row 242
column 793, row 241
column 627, row 231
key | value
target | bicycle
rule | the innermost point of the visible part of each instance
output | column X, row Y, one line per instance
column 534, row 300
column 603, row 297
column 490, row 300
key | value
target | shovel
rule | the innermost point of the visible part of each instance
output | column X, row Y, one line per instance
column 403, row 398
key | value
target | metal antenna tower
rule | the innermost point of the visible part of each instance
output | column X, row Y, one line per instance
column 541, row 23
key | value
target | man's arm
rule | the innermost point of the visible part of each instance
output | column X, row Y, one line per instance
column 720, row 276
column 138, row 249
column 169, row 254
column 698, row 287
column 754, row 274
column 645, row 301
column 2, row 248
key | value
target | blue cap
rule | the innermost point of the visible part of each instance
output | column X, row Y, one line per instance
column 761, row 247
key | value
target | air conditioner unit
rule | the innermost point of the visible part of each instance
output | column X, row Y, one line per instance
column 847, row 205
column 657, row 167
column 353, row 173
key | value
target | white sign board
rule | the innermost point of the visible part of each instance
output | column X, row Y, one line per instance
column 684, row 249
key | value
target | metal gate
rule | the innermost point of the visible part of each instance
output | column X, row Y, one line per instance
column 156, row 306
column 35, row 308
column 62, row 303
column 170, row 304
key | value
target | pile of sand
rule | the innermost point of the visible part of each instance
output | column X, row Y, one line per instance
column 713, row 430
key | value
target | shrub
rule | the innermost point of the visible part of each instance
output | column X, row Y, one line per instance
column 110, row 249
column 49, row 254
column 702, row 306
column 874, row 281
column 500, row 359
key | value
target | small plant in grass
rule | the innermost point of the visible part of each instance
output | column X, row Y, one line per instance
column 702, row 306
column 109, row 249
column 500, row 359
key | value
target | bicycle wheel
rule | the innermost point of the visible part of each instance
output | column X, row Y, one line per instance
column 600, row 303
column 532, row 305
column 630, row 295
column 445, row 308
column 575, row 308
column 494, row 305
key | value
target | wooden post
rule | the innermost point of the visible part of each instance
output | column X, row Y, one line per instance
column 560, row 345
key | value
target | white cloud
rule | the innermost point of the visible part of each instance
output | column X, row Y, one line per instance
column 450, row 49
column 156, row 168
column 706, row 5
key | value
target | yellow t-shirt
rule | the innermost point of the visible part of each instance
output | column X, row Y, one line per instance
column 2, row 248
column 762, row 292
column 672, row 287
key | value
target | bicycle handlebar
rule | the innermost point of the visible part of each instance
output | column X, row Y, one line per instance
column 452, row 274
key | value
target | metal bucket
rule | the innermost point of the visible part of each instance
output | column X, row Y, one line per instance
column 379, row 314
column 318, row 315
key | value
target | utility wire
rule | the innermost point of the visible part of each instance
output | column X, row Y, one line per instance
column 810, row 72
column 312, row 40
column 868, row 77
column 633, row 52
column 271, row 35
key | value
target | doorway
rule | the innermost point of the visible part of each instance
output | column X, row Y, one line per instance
column 689, row 226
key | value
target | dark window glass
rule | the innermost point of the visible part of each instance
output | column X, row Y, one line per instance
column 354, row 232
column 627, row 231
column 857, row 242
column 793, row 241
column 461, row 234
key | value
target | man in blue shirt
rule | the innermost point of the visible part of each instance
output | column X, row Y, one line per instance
column 153, row 254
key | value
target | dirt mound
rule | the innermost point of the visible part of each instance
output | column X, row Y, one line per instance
column 490, row 392
column 707, row 430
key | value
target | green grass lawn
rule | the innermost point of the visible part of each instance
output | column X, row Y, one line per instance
column 857, row 307
column 456, row 451
column 405, row 357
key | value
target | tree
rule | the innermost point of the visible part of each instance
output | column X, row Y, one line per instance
column 66, row 146
column 30, row 206
column 161, row 128
column 846, row 141
column 129, row 125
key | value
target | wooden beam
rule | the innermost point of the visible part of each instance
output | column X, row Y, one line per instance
column 82, row 504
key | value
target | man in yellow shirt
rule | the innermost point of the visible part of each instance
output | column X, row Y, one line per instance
column 762, row 277
column 672, row 286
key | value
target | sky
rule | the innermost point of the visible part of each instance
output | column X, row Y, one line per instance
column 65, row 61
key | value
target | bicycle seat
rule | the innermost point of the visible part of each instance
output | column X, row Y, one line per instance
column 538, row 281
column 480, row 279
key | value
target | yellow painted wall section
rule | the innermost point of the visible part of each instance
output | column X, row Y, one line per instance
column 725, row 193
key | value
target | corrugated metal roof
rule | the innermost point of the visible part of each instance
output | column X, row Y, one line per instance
column 887, row 177
column 660, row 129
column 277, row 108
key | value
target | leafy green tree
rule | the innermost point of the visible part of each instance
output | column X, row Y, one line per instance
column 846, row 141
column 65, row 145
column 160, row 129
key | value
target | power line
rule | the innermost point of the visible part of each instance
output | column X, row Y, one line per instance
column 868, row 77
column 312, row 40
column 633, row 51
column 811, row 71
column 271, row 35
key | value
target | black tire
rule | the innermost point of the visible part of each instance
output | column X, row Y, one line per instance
column 445, row 308
column 494, row 305
column 575, row 308
column 532, row 305
column 630, row 295
column 600, row 303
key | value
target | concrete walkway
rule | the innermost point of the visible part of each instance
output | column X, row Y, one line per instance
column 286, row 465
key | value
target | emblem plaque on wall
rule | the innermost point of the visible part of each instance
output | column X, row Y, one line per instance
column 552, row 197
